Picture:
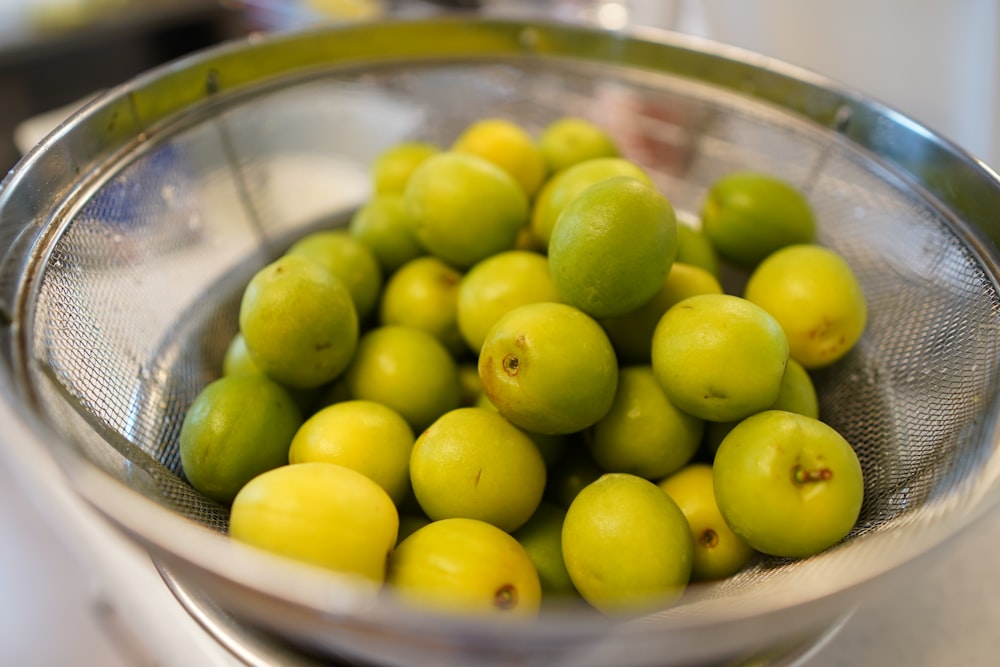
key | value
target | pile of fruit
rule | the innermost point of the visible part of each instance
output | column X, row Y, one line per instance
column 515, row 378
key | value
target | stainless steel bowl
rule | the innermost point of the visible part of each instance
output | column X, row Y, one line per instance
column 130, row 231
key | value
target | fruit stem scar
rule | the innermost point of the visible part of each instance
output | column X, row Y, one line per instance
column 803, row 476
column 505, row 597
column 510, row 365
column 708, row 538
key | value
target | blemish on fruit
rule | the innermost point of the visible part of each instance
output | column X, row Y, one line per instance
column 708, row 538
column 802, row 476
column 506, row 597
column 511, row 365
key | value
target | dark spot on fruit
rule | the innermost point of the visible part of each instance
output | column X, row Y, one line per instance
column 505, row 597
column 319, row 347
column 479, row 474
column 708, row 538
column 521, row 340
column 802, row 476
column 511, row 365
column 715, row 393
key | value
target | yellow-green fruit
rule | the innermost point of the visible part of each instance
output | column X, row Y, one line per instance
column 507, row 145
column 406, row 369
column 627, row 546
column 465, row 566
column 318, row 513
column 549, row 368
column 694, row 248
column 748, row 215
column 813, row 293
column 237, row 427
column 349, row 259
column 550, row 446
column 236, row 360
column 631, row 334
column 788, row 484
column 383, row 225
column 362, row 435
column 718, row 551
column 719, row 357
column 497, row 285
column 612, row 247
column 299, row 322
column 541, row 537
column 643, row 433
column 392, row 168
column 797, row 394
column 463, row 208
column 473, row 463
column 570, row 140
column 565, row 186
column 423, row 294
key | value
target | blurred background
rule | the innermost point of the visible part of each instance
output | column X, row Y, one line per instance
column 937, row 61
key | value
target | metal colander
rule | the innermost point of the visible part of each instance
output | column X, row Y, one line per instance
column 130, row 232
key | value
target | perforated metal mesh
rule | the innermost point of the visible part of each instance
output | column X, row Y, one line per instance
column 137, row 300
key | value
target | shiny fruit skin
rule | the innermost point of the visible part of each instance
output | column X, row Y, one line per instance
column 549, row 368
column 788, row 484
column 612, row 247
column 299, row 322
column 718, row 551
column 318, row 513
column 465, row 566
column 813, row 293
column 236, row 428
column 627, row 545
column 472, row 463
column 719, row 357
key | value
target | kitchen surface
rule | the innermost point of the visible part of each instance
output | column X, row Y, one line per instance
column 74, row 592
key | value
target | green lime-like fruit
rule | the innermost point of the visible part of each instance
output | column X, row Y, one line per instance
column 423, row 294
column 465, row 566
column 497, row 285
column 813, row 293
column 627, row 545
column 719, row 357
column 570, row 140
column 541, row 537
column 718, row 551
column 612, row 247
column 631, row 334
column 695, row 248
column 788, row 484
column 463, row 208
column 567, row 185
column 507, row 145
column 748, row 215
column 318, row 513
column 383, row 225
column 237, row 360
column 643, row 433
column 473, row 463
column 393, row 167
column 362, row 435
column 797, row 394
column 349, row 259
column 549, row 368
column 299, row 322
column 406, row 369
column 236, row 428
